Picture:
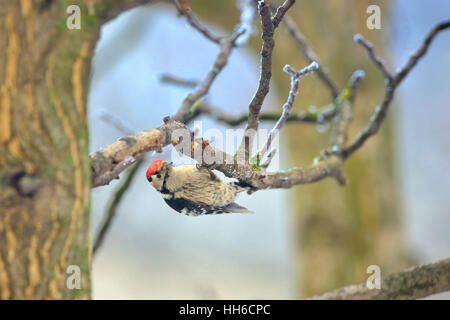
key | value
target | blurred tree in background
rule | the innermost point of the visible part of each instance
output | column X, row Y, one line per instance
column 340, row 231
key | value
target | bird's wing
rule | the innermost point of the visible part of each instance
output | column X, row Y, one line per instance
column 190, row 208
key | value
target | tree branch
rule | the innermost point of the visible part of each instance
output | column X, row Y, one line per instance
column 313, row 116
column 226, row 45
column 310, row 55
column 109, row 161
column 413, row 283
column 345, row 111
column 190, row 18
column 414, row 59
column 244, row 149
column 391, row 84
column 112, row 208
column 222, row 59
column 281, row 11
column 172, row 79
column 373, row 55
column 287, row 107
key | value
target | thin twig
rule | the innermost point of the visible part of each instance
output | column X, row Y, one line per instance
column 413, row 283
column 112, row 208
column 269, row 158
column 391, row 84
column 310, row 55
column 244, row 149
column 116, row 198
column 172, row 79
column 345, row 112
column 287, row 107
column 313, row 116
column 190, row 18
column 281, row 11
column 108, row 176
column 221, row 61
column 184, row 113
column 373, row 55
column 421, row 51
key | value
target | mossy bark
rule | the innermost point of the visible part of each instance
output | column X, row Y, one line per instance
column 44, row 165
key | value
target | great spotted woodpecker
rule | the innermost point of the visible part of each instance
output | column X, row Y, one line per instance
column 193, row 190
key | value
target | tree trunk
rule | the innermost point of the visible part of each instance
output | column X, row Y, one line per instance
column 44, row 164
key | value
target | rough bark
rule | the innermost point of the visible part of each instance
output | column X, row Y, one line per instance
column 45, row 170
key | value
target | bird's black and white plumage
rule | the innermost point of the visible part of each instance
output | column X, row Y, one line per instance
column 194, row 191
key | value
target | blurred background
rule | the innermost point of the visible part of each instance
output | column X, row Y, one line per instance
column 303, row 241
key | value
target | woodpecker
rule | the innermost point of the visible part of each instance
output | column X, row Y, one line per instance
column 193, row 190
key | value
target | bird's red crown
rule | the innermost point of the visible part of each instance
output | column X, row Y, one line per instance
column 154, row 167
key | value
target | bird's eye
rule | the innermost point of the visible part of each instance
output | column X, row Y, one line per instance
column 158, row 176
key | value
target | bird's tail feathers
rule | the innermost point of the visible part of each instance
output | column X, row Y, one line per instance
column 234, row 207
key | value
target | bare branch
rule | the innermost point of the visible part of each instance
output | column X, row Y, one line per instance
column 310, row 55
column 316, row 116
column 345, row 111
column 264, row 80
column 106, row 177
column 106, row 163
column 226, row 45
column 186, row 12
column 413, row 283
column 421, row 51
column 391, row 84
column 270, row 156
column 112, row 208
column 330, row 166
column 110, row 161
column 281, row 11
column 287, row 107
column 221, row 61
column 373, row 55
column 172, row 79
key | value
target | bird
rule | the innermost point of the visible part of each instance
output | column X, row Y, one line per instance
column 194, row 190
